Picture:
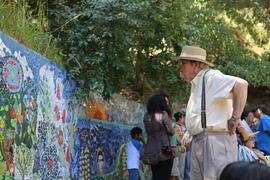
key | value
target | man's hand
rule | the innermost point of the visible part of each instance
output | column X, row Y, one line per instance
column 142, row 139
column 232, row 124
column 183, row 149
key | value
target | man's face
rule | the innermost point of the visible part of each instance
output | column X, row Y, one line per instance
column 257, row 113
column 137, row 136
column 186, row 70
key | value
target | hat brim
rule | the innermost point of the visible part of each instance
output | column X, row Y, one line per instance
column 193, row 59
column 249, row 135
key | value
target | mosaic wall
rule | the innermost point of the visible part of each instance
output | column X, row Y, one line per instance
column 116, row 110
column 126, row 111
column 46, row 134
column 98, row 148
column 36, row 123
column 101, row 135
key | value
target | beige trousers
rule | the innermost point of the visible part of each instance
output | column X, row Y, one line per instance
column 210, row 153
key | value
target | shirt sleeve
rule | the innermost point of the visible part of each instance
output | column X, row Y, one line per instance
column 137, row 145
column 220, row 85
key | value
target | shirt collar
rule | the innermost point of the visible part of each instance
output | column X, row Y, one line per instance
column 197, row 78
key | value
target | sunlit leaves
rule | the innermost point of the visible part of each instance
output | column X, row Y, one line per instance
column 125, row 46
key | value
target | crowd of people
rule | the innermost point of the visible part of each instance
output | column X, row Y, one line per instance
column 253, row 134
column 213, row 138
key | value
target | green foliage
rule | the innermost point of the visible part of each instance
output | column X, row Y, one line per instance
column 235, row 36
column 6, row 176
column 125, row 46
column 255, row 71
column 248, row 21
column 27, row 24
column 116, row 46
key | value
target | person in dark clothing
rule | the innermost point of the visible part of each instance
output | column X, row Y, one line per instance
column 158, row 126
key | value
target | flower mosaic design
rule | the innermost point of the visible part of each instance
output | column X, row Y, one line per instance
column 12, row 75
column 49, row 164
column 30, row 88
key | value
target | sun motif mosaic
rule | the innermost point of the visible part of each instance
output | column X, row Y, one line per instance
column 96, row 110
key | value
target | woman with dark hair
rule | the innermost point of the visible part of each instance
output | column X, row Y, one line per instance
column 243, row 170
column 159, row 103
column 158, row 126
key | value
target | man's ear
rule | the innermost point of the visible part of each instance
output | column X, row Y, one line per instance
column 196, row 66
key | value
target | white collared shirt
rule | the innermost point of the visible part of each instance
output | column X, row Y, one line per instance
column 218, row 98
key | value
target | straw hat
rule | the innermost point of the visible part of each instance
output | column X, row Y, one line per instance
column 246, row 135
column 194, row 53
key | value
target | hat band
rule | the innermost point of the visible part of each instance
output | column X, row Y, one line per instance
column 202, row 58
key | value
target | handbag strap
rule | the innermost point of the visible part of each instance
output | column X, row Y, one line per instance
column 203, row 102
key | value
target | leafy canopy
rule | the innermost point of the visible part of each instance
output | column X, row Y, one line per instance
column 125, row 46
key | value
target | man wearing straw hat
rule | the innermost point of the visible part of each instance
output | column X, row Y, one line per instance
column 212, row 114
